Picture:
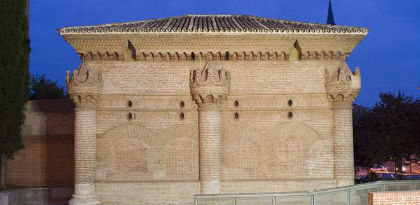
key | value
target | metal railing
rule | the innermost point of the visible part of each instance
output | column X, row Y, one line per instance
column 349, row 195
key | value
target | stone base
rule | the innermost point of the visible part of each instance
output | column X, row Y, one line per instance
column 77, row 200
column 211, row 187
column 84, row 195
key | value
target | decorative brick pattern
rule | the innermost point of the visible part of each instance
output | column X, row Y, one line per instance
column 133, row 152
column 394, row 198
column 284, row 151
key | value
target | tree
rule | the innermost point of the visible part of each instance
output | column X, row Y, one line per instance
column 389, row 131
column 365, row 144
column 14, row 77
column 43, row 88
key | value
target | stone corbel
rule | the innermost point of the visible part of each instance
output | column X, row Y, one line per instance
column 85, row 101
column 210, row 86
column 342, row 85
column 83, row 79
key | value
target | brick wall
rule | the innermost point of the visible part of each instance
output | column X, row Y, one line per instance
column 48, row 158
column 395, row 198
column 263, row 150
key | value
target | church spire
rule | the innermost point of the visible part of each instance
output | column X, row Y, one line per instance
column 330, row 18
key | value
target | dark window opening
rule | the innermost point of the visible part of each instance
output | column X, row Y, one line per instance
column 236, row 115
column 227, row 56
column 236, row 103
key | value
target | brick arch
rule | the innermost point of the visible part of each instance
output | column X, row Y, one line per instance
column 129, row 131
column 284, row 131
column 291, row 144
column 174, row 132
column 176, row 149
column 125, row 153
column 243, row 152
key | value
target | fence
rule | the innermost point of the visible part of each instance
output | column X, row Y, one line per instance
column 350, row 195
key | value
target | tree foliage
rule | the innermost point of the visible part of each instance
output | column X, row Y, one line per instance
column 14, row 73
column 391, row 130
column 43, row 88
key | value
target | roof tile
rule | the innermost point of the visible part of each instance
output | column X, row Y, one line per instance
column 213, row 23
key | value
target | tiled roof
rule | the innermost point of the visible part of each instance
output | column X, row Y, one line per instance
column 213, row 23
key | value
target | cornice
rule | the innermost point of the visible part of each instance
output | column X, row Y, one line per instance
column 214, row 56
column 170, row 47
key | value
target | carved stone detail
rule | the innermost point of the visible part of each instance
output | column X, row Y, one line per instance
column 83, row 79
column 342, row 85
column 209, row 86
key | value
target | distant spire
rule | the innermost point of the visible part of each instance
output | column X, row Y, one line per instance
column 330, row 18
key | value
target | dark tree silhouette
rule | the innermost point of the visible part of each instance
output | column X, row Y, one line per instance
column 43, row 88
column 389, row 131
column 14, row 77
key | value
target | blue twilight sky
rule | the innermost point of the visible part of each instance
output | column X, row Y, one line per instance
column 389, row 57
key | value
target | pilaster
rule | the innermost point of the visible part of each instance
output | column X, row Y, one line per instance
column 342, row 88
column 209, row 88
column 82, row 87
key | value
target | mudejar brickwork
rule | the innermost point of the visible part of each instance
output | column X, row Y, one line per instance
column 173, row 107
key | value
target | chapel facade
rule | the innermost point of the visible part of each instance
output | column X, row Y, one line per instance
column 207, row 104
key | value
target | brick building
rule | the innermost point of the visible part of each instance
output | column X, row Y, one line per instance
column 172, row 107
